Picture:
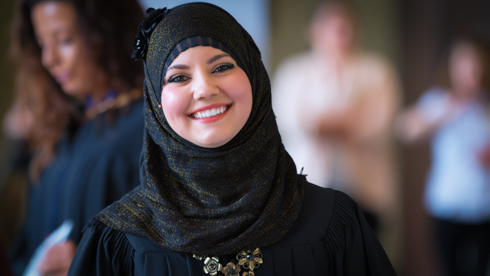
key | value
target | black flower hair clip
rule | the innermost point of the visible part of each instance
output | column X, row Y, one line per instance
column 142, row 39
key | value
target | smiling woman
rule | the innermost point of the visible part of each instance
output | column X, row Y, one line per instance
column 219, row 194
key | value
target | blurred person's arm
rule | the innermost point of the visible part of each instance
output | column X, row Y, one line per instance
column 411, row 126
column 369, row 117
column 337, row 125
column 420, row 121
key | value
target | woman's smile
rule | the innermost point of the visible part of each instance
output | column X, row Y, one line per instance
column 210, row 113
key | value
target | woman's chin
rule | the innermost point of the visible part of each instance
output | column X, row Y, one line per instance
column 72, row 91
column 212, row 142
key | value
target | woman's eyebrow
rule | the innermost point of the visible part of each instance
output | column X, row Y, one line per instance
column 178, row 66
column 215, row 58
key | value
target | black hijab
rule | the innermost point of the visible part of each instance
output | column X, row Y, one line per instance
column 208, row 201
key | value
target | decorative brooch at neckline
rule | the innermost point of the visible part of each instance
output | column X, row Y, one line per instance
column 248, row 260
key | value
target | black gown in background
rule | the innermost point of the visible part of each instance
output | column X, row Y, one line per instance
column 98, row 166
column 330, row 237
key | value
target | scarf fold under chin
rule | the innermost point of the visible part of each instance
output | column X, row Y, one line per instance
column 243, row 195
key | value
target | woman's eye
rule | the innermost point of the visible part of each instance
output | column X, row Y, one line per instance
column 178, row 78
column 66, row 41
column 223, row 67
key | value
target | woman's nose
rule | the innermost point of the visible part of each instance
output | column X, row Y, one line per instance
column 49, row 55
column 204, row 87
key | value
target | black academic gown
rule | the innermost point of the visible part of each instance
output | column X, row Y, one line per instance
column 330, row 237
column 91, row 170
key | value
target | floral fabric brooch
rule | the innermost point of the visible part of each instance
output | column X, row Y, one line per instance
column 145, row 28
column 248, row 260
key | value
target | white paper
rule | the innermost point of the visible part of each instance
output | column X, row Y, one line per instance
column 59, row 235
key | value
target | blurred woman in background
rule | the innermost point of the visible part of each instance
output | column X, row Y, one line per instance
column 335, row 105
column 455, row 117
column 80, row 93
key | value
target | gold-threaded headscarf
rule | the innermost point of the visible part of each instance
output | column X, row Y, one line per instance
column 213, row 201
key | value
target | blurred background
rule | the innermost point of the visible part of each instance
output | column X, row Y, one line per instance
column 412, row 34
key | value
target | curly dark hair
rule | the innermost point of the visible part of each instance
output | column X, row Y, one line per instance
column 108, row 28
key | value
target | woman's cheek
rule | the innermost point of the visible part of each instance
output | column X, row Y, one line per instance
column 174, row 104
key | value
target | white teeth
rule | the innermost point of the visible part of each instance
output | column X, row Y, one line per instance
column 210, row 112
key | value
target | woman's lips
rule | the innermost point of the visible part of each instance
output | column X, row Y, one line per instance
column 62, row 78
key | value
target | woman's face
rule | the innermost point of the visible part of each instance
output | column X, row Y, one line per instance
column 465, row 70
column 206, row 97
column 332, row 34
column 63, row 50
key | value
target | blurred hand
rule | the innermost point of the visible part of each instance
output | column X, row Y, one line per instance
column 58, row 259
column 484, row 156
column 410, row 126
column 335, row 125
column 17, row 123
